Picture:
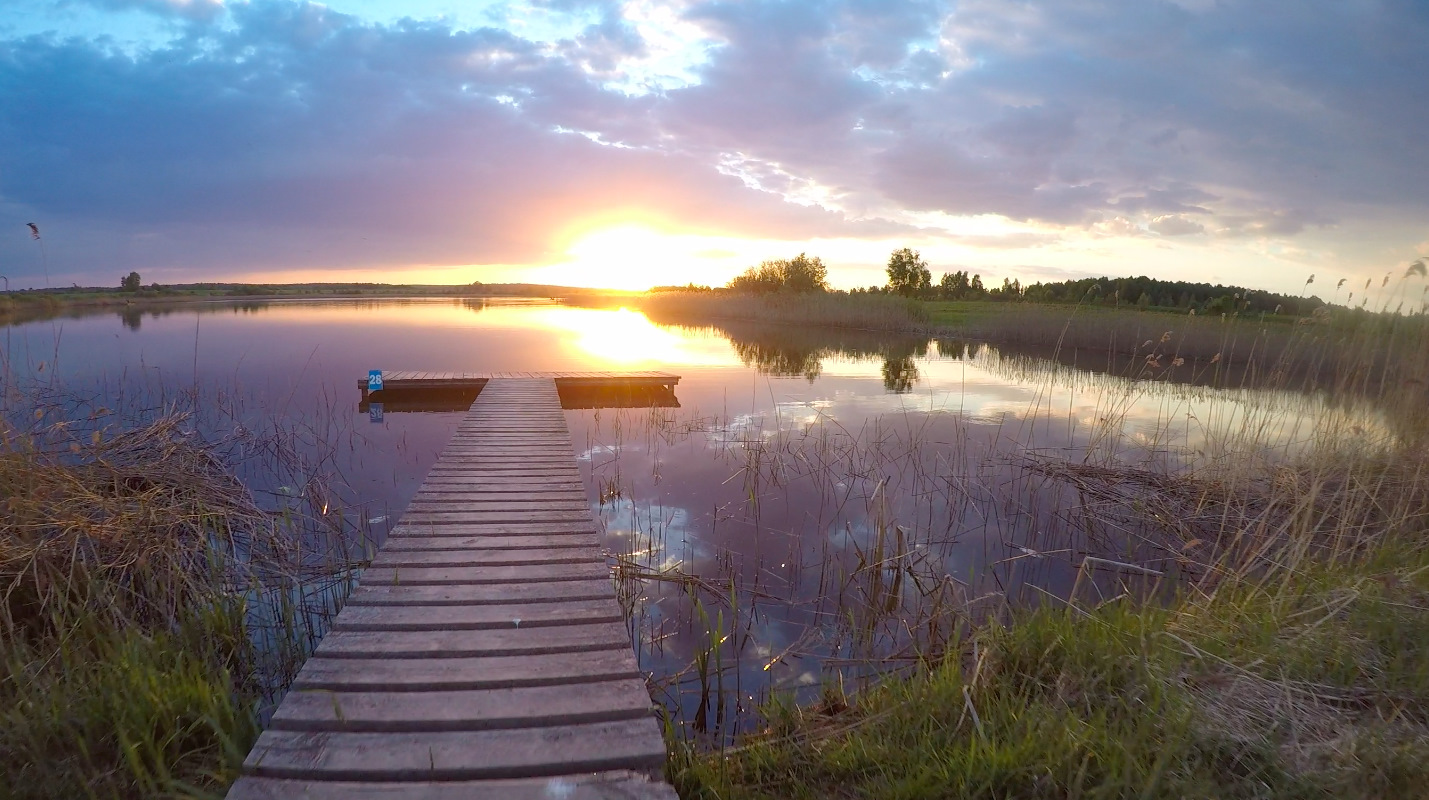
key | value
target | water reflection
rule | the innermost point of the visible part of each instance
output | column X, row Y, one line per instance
column 827, row 502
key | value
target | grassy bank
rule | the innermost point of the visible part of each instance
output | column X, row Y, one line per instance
column 134, row 569
column 1315, row 686
column 1291, row 660
column 1258, row 626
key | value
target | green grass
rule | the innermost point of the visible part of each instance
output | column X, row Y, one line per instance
column 953, row 314
column 128, row 664
column 99, row 711
column 1311, row 688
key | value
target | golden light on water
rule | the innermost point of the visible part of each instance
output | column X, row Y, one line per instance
column 567, row 337
column 624, row 338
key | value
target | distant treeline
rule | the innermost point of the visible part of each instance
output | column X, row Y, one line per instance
column 1143, row 291
column 131, row 285
column 909, row 275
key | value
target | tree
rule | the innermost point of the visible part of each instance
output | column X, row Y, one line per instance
column 130, row 282
column 761, row 279
column 908, row 273
column 801, row 274
column 976, row 287
column 804, row 274
column 953, row 286
column 1011, row 290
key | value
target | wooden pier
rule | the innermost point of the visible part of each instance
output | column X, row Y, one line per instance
column 407, row 381
column 483, row 654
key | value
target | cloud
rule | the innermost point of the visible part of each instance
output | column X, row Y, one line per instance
column 288, row 135
column 1175, row 225
column 197, row 10
column 303, row 137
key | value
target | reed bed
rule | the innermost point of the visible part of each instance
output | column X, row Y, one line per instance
column 154, row 608
column 827, row 309
column 1335, row 349
column 920, row 604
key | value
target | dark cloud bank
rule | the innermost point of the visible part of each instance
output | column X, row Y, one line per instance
column 281, row 135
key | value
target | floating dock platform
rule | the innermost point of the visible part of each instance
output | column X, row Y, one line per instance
column 455, row 391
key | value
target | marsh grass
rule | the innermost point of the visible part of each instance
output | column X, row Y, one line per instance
column 1338, row 350
column 153, row 608
column 1234, row 608
column 826, row 309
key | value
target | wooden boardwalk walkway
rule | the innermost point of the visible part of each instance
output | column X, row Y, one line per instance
column 483, row 654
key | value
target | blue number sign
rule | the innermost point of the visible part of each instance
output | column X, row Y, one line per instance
column 374, row 412
column 374, row 380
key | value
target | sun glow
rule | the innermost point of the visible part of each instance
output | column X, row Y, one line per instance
column 638, row 256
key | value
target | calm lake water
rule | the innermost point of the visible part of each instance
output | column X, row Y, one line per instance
column 821, row 506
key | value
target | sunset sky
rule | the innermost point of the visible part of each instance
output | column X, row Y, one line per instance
column 635, row 143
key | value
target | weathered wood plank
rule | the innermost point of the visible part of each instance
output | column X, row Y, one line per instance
column 430, row 528
column 462, row 709
column 401, row 543
column 467, row 644
column 511, row 515
column 451, row 559
column 454, row 674
column 464, row 755
column 565, row 467
column 479, row 594
column 449, row 501
column 435, row 576
column 499, row 483
column 600, row 786
column 476, row 493
column 477, row 618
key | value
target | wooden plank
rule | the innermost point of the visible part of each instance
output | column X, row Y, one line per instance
column 478, row 491
column 447, row 484
column 478, row 594
column 495, row 482
column 470, row 644
column 430, row 528
column 510, row 438
column 435, row 576
column 469, row 502
column 482, row 472
column 560, row 541
column 620, row 785
column 511, row 457
column 507, row 462
column 496, row 469
column 462, row 709
column 506, row 443
column 463, row 755
column 420, row 515
column 477, row 618
column 405, row 559
column 488, row 455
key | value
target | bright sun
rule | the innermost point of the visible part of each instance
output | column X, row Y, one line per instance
column 637, row 256
column 632, row 256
